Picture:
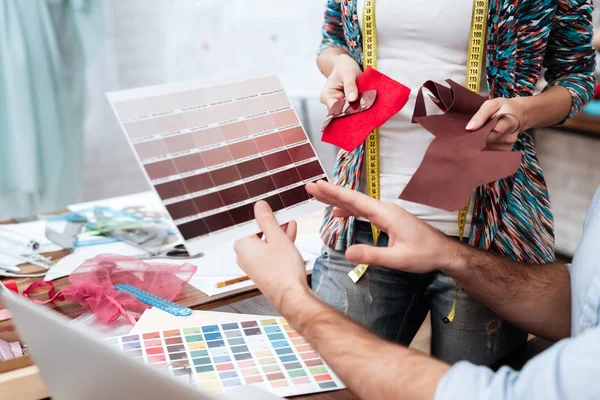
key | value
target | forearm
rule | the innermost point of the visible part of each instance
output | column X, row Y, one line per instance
column 536, row 298
column 326, row 59
column 546, row 109
column 370, row 366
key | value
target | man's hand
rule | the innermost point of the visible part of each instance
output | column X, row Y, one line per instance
column 274, row 264
column 414, row 246
column 530, row 296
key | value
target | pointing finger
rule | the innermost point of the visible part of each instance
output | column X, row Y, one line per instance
column 267, row 222
column 353, row 202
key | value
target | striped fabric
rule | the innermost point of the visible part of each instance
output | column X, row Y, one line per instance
column 513, row 216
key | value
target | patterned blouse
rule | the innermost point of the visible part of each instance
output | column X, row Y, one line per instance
column 511, row 217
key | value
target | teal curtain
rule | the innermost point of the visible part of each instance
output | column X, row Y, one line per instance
column 44, row 48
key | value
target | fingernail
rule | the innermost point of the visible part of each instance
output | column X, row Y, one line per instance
column 470, row 125
column 351, row 96
column 261, row 205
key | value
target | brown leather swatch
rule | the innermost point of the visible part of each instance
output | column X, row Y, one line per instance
column 456, row 161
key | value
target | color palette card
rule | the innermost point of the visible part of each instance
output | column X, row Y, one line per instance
column 267, row 353
column 211, row 152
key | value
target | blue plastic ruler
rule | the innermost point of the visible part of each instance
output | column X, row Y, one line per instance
column 155, row 301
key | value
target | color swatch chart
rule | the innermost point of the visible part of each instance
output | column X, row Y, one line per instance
column 212, row 152
column 267, row 353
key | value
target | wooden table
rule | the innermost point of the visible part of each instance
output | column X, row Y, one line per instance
column 189, row 297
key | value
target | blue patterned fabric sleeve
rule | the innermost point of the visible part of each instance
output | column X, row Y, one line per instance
column 333, row 28
column 570, row 58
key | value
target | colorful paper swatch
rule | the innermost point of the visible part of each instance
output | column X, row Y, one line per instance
column 211, row 152
column 267, row 353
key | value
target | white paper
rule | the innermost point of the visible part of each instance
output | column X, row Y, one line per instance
column 148, row 200
column 220, row 265
column 5, row 259
column 221, row 261
column 68, row 264
column 121, row 326
column 35, row 230
column 154, row 320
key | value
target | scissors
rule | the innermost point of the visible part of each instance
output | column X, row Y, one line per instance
column 141, row 212
column 177, row 252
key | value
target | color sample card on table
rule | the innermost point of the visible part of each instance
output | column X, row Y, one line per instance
column 267, row 353
column 211, row 152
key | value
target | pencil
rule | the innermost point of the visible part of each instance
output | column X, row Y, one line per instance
column 237, row 280
column 232, row 281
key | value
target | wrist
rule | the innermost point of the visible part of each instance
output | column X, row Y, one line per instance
column 294, row 298
column 303, row 309
column 341, row 58
column 523, row 104
column 455, row 257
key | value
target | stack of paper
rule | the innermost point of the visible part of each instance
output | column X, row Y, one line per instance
column 35, row 231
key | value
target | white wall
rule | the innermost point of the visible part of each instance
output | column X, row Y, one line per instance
column 157, row 41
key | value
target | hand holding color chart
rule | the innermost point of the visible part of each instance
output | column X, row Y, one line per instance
column 212, row 152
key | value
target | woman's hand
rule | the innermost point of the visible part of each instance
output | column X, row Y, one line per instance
column 548, row 108
column 341, row 83
column 505, row 133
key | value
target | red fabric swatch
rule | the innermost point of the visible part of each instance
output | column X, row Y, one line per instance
column 350, row 131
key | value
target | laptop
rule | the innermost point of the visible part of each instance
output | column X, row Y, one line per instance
column 76, row 366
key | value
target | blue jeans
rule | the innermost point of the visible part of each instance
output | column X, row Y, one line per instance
column 393, row 304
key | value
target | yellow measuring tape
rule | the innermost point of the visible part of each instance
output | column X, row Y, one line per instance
column 474, row 71
column 372, row 142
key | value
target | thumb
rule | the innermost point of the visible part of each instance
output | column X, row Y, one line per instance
column 384, row 256
column 487, row 110
column 350, row 88
column 248, row 248
column 329, row 97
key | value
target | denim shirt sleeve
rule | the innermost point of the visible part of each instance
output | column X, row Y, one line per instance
column 570, row 58
column 333, row 27
column 568, row 370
